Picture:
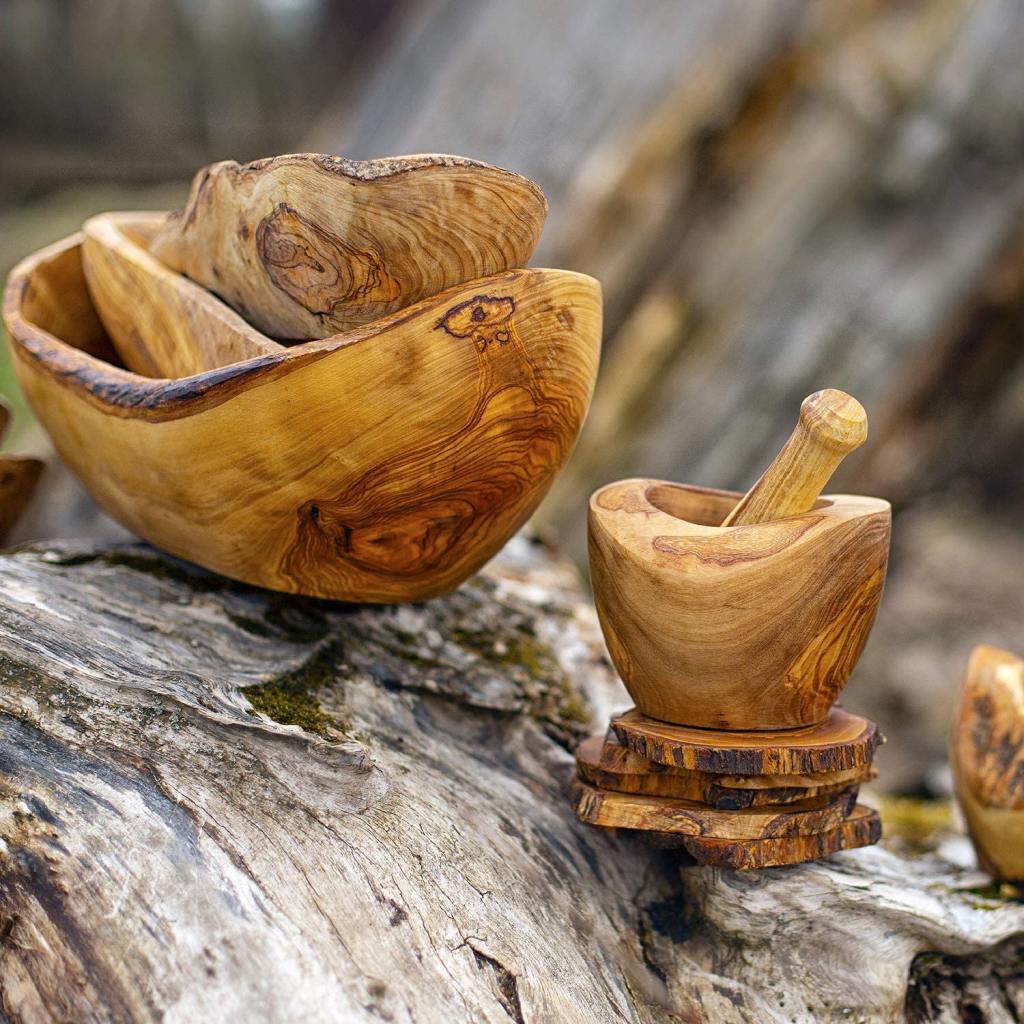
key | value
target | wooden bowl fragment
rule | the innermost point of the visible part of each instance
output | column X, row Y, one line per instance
column 161, row 323
column 307, row 245
column 19, row 475
column 385, row 464
column 987, row 757
column 751, row 627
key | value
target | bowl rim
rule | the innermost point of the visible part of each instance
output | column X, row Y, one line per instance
column 832, row 507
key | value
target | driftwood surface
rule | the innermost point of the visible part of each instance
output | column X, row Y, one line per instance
column 408, row 851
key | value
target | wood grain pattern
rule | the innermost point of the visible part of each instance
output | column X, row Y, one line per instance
column 862, row 828
column 749, row 627
column 19, row 475
column 386, row 464
column 842, row 742
column 161, row 323
column 307, row 245
column 610, row 809
column 831, row 425
column 987, row 757
column 605, row 763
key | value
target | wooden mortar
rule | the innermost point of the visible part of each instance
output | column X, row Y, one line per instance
column 746, row 627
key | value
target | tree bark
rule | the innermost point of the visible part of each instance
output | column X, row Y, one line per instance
column 220, row 803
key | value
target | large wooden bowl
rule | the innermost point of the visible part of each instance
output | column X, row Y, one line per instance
column 745, row 627
column 384, row 464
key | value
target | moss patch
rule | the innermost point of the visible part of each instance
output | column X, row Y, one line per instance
column 291, row 699
column 920, row 825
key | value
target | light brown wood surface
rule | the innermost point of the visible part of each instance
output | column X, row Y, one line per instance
column 862, row 828
column 987, row 757
column 611, row 809
column 161, row 323
column 831, row 425
column 607, row 764
column 307, row 245
column 386, row 464
column 842, row 742
column 750, row 627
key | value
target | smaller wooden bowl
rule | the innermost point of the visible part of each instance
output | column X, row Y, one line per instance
column 743, row 628
column 161, row 324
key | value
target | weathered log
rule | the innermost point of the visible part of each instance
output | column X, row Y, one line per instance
column 220, row 803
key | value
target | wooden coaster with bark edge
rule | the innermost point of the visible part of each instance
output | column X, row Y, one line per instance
column 19, row 475
column 862, row 828
column 306, row 245
column 607, row 764
column 667, row 814
column 841, row 742
column 620, row 759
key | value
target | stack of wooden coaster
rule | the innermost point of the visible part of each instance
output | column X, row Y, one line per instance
column 733, row 799
column 735, row 622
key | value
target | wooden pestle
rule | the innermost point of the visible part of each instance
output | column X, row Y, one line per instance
column 831, row 425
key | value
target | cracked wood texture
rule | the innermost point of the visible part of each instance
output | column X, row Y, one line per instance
column 308, row 245
column 386, row 464
column 409, row 852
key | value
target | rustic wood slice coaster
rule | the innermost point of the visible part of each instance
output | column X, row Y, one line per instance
column 618, row 758
column 685, row 817
column 862, row 828
column 605, row 763
column 843, row 741
column 308, row 245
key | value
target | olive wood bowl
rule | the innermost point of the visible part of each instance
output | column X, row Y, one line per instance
column 987, row 758
column 749, row 627
column 384, row 464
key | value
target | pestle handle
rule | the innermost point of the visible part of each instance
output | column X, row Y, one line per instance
column 832, row 424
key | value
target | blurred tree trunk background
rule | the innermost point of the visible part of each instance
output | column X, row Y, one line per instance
column 776, row 197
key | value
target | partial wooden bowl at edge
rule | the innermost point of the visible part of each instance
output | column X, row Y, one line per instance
column 987, row 758
column 385, row 464
column 747, row 628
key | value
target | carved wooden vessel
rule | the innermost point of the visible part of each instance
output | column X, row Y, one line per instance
column 385, row 464
column 307, row 245
column 987, row 757
column 746, row 627
column 161, row 323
